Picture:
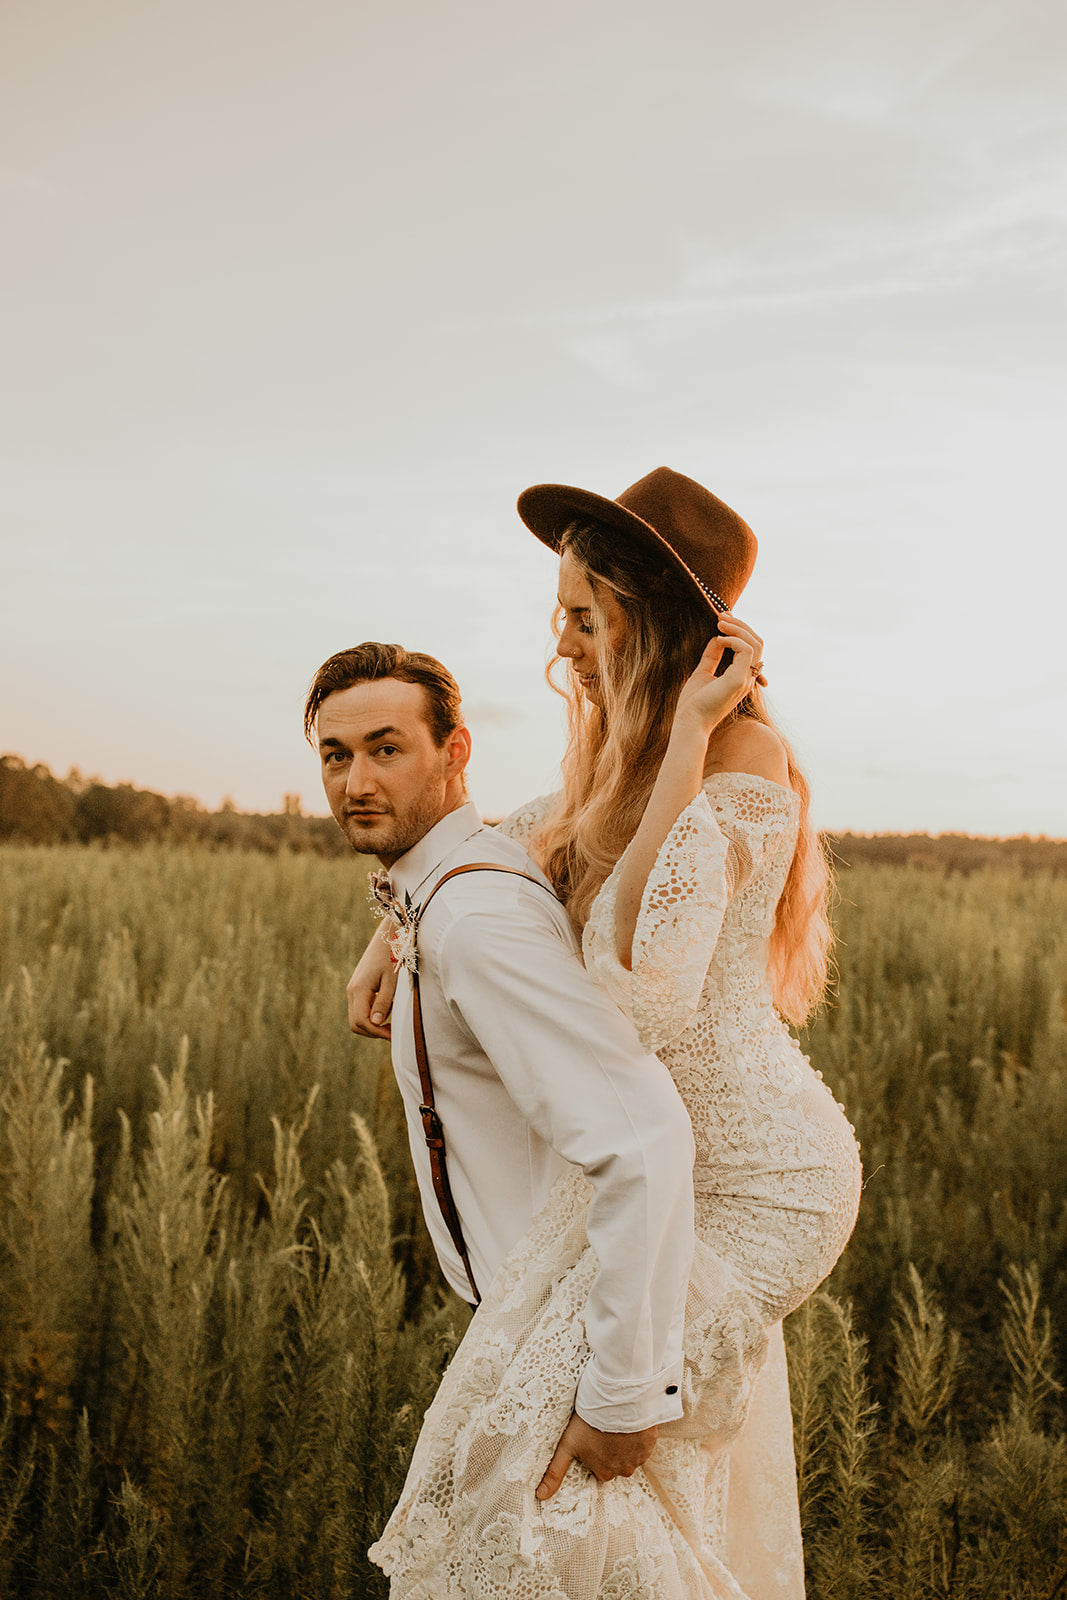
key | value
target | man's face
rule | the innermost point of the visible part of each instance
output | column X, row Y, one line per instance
column 385, row 779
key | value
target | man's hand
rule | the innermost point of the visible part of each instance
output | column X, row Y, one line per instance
column 607, row 1455
column 371, row 988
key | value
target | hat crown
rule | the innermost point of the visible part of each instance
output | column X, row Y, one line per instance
column 712, row 549
column 717, row 545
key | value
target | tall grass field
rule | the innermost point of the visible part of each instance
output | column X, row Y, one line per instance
column 220, row 1321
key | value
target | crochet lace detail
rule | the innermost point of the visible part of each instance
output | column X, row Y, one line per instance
column 522, row 824
column 731, row 847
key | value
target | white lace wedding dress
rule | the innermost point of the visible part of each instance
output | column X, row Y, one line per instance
column 713, row 1513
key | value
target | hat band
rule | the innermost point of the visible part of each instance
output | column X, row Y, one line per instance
column 716, row 599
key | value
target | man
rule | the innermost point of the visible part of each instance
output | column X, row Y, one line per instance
column 533, row 1066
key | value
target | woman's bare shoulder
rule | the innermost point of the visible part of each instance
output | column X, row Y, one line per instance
column 748, row 746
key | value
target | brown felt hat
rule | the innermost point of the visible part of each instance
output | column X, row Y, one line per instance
column 711, row 547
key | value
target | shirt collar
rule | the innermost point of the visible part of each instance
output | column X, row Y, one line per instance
column 410, row 871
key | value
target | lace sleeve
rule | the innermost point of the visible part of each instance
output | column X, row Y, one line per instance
column 521, row 824
column 678, row 925
column 720, row 840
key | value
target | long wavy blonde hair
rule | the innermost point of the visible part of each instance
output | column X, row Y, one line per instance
column 615, row 750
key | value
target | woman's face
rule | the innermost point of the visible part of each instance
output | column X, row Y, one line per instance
column 578, row 643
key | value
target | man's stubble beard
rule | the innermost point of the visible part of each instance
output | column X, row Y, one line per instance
column 396, row 835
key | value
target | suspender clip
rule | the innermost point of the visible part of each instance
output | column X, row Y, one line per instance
column 431, row 1127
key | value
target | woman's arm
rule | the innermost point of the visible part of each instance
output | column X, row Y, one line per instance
column 703, row 703
column 372, row 986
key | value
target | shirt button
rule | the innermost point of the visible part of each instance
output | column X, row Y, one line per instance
column 672, row 1388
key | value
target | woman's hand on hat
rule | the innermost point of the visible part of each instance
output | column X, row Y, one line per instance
column 708, row 694
column 729, row 624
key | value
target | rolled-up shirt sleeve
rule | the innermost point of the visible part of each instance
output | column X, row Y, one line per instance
column 574, row 1067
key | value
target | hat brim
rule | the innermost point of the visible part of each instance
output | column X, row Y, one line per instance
column 548, row 509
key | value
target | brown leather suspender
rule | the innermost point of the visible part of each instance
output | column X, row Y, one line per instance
column 431, row 1122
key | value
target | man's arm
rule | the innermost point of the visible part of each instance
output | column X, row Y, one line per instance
column 575, row 1069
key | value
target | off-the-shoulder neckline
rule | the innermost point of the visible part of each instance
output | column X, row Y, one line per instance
column 752, row 777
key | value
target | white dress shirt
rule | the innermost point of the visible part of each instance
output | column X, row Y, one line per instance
column 534, row 1068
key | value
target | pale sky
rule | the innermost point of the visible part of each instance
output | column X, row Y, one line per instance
column 296, row 297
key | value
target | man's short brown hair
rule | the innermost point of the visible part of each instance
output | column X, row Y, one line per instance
column 367, row 663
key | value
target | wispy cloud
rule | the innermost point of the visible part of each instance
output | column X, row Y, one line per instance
column 684, row 307
column 1021, row 228
column 857, row 64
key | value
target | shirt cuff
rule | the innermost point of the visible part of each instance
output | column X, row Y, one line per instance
column 629, row 1405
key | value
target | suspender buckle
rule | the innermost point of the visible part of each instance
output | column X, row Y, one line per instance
column 431, row 1127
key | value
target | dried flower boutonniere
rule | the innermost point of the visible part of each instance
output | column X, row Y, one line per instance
column 403, row 916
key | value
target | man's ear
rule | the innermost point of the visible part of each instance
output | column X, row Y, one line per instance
column 458, row 749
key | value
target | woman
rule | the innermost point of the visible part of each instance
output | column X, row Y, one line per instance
column 681, row 847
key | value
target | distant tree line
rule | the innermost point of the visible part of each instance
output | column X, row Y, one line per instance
column 38, row 808
column 948, row 852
